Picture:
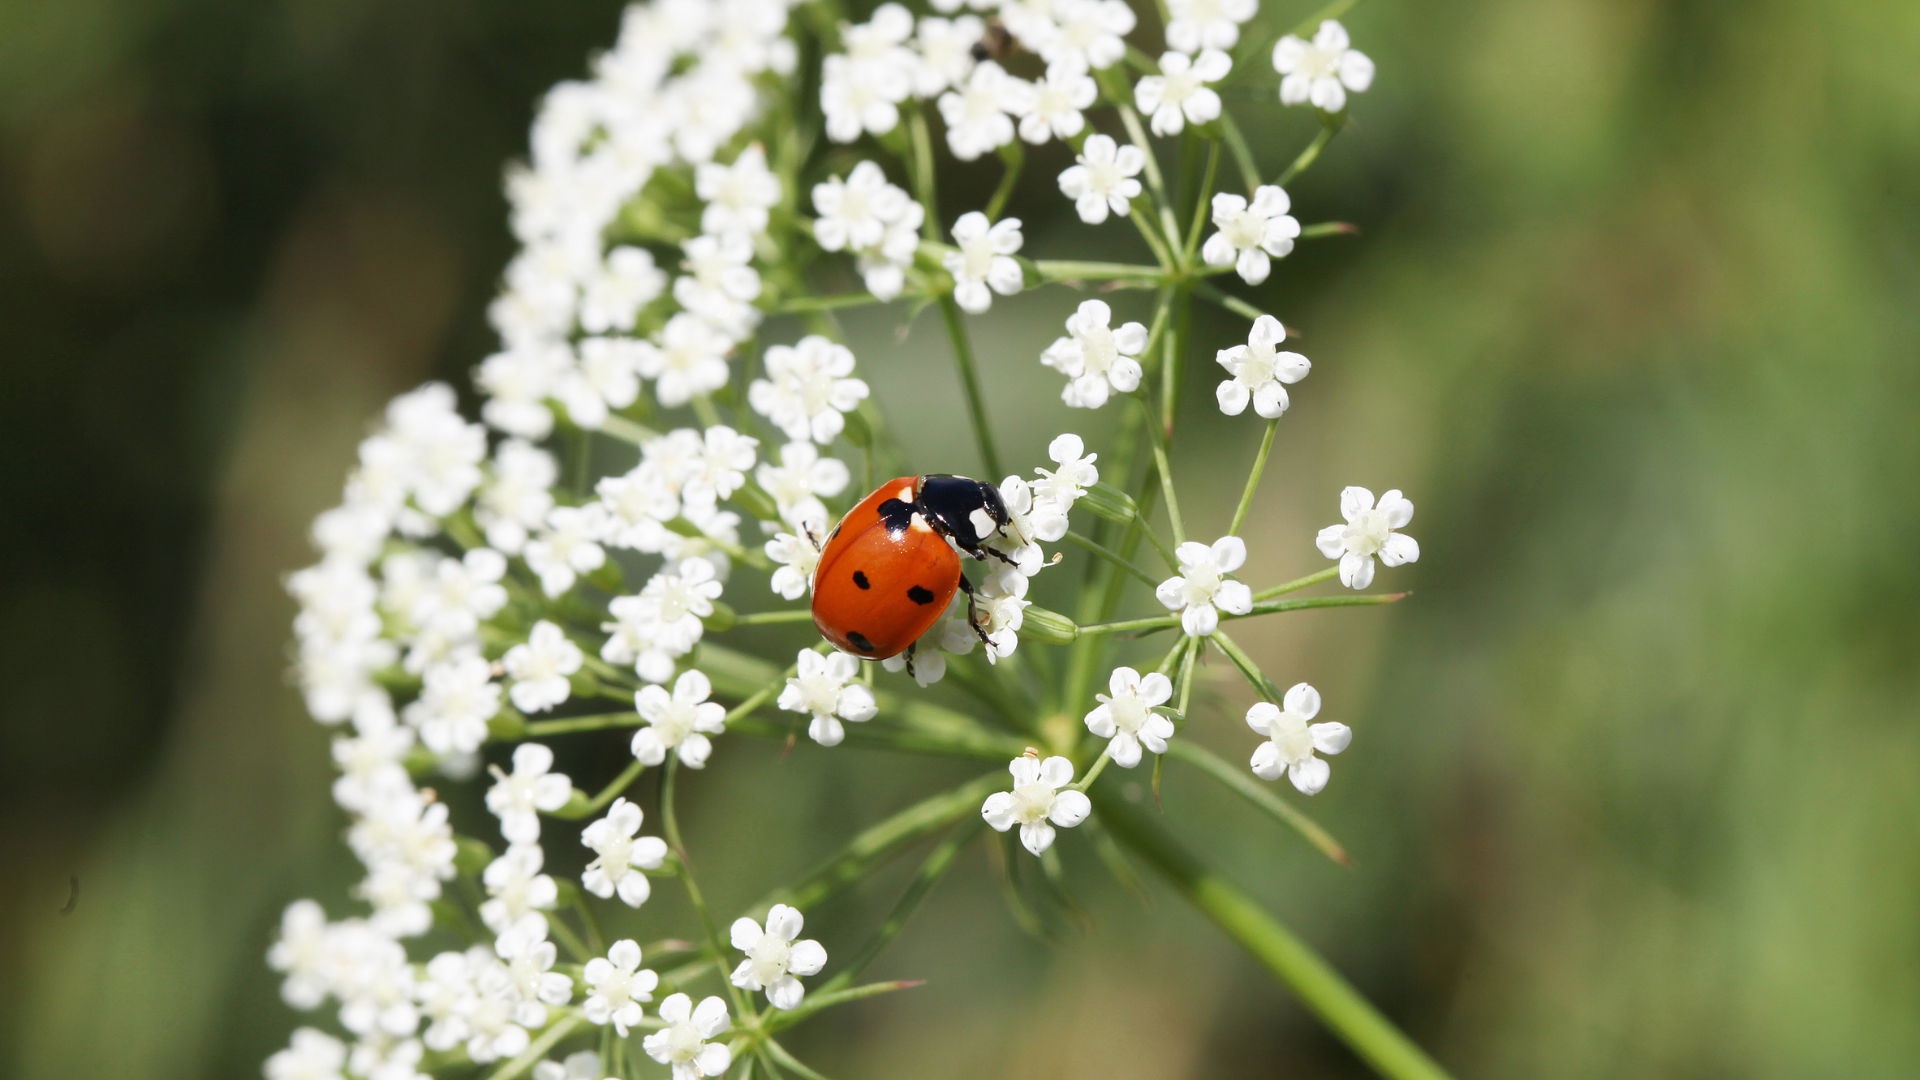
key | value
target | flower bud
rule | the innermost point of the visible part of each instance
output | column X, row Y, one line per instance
column 721, row 620
column 507, row 725
column 1047, row 627
column 1109, row 502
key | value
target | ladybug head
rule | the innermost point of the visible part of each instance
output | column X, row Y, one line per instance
column 964, row 510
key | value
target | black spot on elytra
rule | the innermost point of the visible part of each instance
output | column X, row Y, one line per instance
column 897, row 516
column 919, row 595
column 860, row 579
column 860, row 641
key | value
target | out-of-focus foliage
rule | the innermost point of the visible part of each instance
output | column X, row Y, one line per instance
column 1634, row 317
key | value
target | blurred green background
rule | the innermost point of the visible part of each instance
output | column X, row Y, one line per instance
column 1634, row 319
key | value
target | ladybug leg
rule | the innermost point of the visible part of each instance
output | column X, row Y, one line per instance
column 910, row 673
column 973, row 612
column 811, row 538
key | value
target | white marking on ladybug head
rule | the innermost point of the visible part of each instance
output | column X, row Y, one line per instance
column 919, row 523
column 905, row 494
column 982, row 522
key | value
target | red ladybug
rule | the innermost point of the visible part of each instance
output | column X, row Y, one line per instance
column 892, row 564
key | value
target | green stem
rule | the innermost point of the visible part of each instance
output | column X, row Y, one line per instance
column 759, row 698
column 1255, row 677
column 1324, row 992
column 574, row 946
column 1014, row 156
column 1243, row 783
column 931, row 871
column 1200, row 214
column 541, row 728
column 1299, row 583
column 1099, row 766
column 1253, row 478
column 1112, row 557
column 1231, row 303
column 537, row 1049
column 762, row 618
column 1152, row 237
column 612, row 791
column 670, row 825
column 1071, row 270
column 1242, row 153
column 625, row 430
column 1165, row 468
column 1162, row 622
column 923, row 172
column 799, row 304
column 970, row 382
column 592, row 925
column 1311, row 24
column 703, row 408
column 1328, row 129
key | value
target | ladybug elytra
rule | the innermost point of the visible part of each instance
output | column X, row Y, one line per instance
column 891, row 566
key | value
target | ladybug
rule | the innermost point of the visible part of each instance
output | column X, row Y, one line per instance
column 889, row 569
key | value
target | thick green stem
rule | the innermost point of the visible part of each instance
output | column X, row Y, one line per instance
column 1253, row 477
column 970, row 382
column 1324, row 992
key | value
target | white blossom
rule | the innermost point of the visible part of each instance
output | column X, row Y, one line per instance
column 1323, row 71
column 1102, row 178
column 529, row 958
column 516, row 889
column 979, row 113
column 579, row 1065
column 1074, row 474
column 1031, row 22
column 312, row 1055
column 774, row 958
column 1037, row 803
column 606, row 377
column 985, row 260
column 568, row 546
column 1125, row 716
column 943, row 52
column 372, row 762
column 462, row 593
column 720, row 284
column 540, row 667
column 853, row 213
column 441, row 451
column 1095, row 357
column 663, row 622
column 383, row 1057
column 1250, row 232
column 1207, row 24
column 516, row 797
column 1179, row 95
column 808, row 388
column 720, row 467
column 680, row 722
column 738, row 196
column 683, row 1042
column 1002, row 600
column 820, row 688
column 304, row 951
column 1291, row 740
column 617, row 985
column 798, row 483
column 1369, row 531
column 457, row 698
column 516, row 496
column 687, row 358
column 621, row 855
column 796, row 558
column 615, row 292
column 1090, row 34
column 1259, row 370
column 517, row 382
column 1030, row 521
column 883, row 267
column 1055, row 102
column 1202, row 590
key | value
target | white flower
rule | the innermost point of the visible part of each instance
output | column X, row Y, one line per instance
column 618, row 985
column 1103, row 178
column 979, row 114
column 666, row 615
column 809, row 385
column 446, row 996
column 568, row 547
column 607, row 377
column 774, row 958
column 796, row 556
column 738, row 196
column 820, row 688
column 861, row 97
column 409, row 830
column 883, row 267
column 457, row 698
column 1036, row 800
column 1090, row 33
column 579, row 1065
column 718, row 531
column 529, row 960
column 1179, row 95
column 985, row 259
column 1369, row 531
column 1126, row 718
column 1095, row 358
column 797, row 484
column 1030, row 521
column 376, row 985
column 1258, row 370
column 399, row 898
column 621, row 856
column 303, row 951
column 719, row 469
column 1202, row 590
column 516, row 889
column 1207, row 24
column 853, row 213
column 383, row 1057
column 1054, row 104
column 1002, row 601
column 461, row 593
column 683, row 1042
column 440, row 450
column 1249, row 233
column 540, row 668
column 626, row 282
column 1029, row 21
column 313, row 1055
column 944, row 52
column 532, row 786
column 516, row 497
column 1321, row 72
column 720, row 284
column 1292, row 741
column 688, row 358
column 679, row 722
column 517, row 383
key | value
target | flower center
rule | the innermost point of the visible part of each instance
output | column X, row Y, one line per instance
column 977, row 257
column 1201, row 583
column 1318, row 63
column 615, row 858
column 814, row 389
column 618, row 989
column 1367, row 533
column 822, row 693
column 675, row 724
column 683, row 1042
column 1031, row 802
column 1097, row 350
column 770, row 959
column 1245, row 229
column 1180, row 86
column 1289, row 735
column 1256, row 366
column 1104, row 176
column 1129, row 713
